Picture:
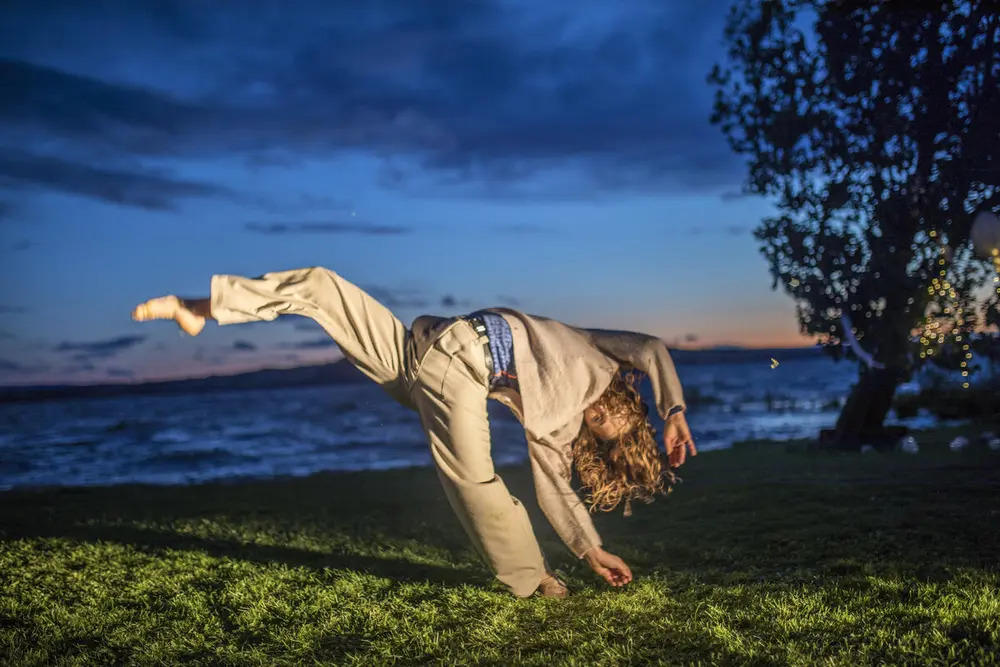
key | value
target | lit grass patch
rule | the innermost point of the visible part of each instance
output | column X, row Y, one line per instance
column 764, row 555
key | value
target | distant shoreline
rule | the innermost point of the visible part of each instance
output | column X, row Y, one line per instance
column 337, row 373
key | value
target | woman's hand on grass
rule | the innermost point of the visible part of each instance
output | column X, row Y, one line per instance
column 611, row 567
column 677, row 440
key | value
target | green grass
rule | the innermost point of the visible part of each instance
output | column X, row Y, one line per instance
column 764, row 555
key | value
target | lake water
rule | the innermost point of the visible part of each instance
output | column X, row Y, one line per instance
column 259, row 434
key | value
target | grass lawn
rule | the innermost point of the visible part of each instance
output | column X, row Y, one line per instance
column 764, row 555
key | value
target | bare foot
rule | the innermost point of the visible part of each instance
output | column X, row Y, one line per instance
column 169, row 308
column 552, row 587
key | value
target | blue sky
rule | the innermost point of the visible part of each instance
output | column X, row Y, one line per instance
column 445, row 156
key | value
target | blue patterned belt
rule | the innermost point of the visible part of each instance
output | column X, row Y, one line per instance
column 498, row 348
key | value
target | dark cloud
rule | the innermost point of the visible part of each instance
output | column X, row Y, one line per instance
column 119, row 373
column 244, row 346
column 487, row 92
column 88, row 110
column 134, row 187
column 6, row 335
column 21, row 246
column 397, row 298
column 85, row 367
column 306, row 324
column 201, row 355
column 690, row 338
column 9, row 367
column 13, row 310
column 276, row 228
column 313, row 344
column 104, row 349
column 451, row 301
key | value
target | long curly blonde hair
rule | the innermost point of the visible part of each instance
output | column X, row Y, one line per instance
column 628, row 467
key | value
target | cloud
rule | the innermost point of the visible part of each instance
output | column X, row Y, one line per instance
column 104, row 349
column 119, row 373
column 451, row 301
column 306, row 324
column 690, row 338
column 12, row 310
column 244, row 346
column 6, row 335
column 611, row 97
column 133, row 187
column 276, row 228
column 86, row 109
column 8, row 367
column 397, row 298
column 85, row 367
column 313, row 344
column 21, row 246
column 202, row 356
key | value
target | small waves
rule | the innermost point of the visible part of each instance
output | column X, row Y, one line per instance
column 296, row 432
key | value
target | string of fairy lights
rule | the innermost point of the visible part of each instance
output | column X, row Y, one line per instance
column 933, row 335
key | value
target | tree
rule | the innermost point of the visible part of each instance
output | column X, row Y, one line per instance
column 876, row 132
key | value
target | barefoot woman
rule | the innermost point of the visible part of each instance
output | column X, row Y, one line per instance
column 569, row 390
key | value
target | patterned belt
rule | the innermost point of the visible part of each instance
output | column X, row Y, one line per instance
column 480, row 327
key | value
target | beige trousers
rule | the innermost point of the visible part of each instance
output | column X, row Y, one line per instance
column 448, row 387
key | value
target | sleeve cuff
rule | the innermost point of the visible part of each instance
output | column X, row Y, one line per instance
column 580, row 549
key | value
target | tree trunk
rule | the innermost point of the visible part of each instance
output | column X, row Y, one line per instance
column 861, row 420
column 863, row 415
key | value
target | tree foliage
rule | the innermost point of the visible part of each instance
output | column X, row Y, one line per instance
column 875, row 130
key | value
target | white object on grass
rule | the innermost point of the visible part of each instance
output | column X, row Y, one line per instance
column 867, row 449
column 961, row 442
column 909, row 445
column 994, row 444
column 985, row 235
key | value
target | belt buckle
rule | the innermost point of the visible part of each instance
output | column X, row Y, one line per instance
column 478, row 325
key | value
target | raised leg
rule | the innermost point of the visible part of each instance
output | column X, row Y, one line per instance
column 368, row 334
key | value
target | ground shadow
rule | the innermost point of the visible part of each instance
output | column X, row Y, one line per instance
column 159, row 542
column 142, row 517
